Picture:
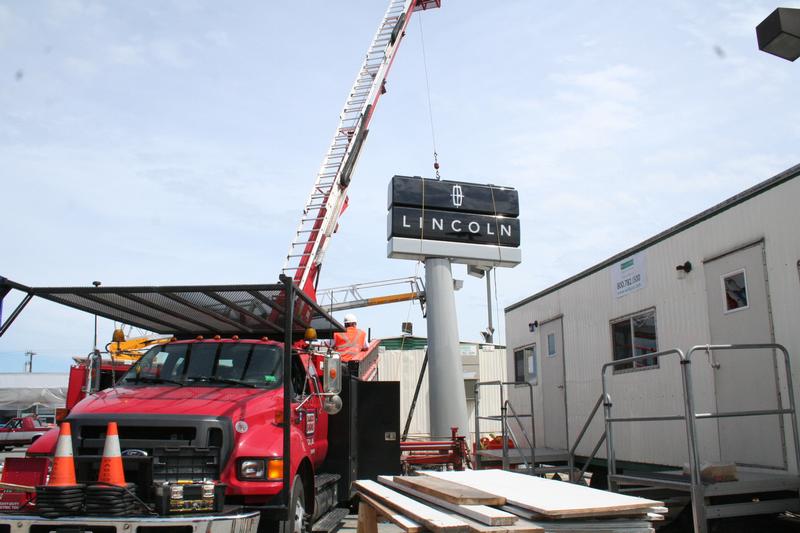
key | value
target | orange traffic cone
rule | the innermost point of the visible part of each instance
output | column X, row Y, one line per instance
column 63, row 473
column 111, row 471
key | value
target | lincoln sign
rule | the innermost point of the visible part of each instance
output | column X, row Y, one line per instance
column 466, row 222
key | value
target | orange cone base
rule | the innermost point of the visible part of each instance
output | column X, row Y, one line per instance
column 63, row 473
column 111, row 471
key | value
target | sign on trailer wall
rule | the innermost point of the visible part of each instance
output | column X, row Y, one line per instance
column 629, row 275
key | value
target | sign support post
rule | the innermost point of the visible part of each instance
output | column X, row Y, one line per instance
column 441, row 223
column 448, row 401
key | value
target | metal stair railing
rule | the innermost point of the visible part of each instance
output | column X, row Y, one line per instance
column 690, row 417
column 610, row 420
column 502, row 418
column 531, row 468
column 571, row 458
column 699, row 505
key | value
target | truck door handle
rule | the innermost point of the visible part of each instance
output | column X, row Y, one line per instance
column 561, row 386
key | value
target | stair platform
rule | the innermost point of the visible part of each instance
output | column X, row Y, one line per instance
column 520, row 455
column 751, row 481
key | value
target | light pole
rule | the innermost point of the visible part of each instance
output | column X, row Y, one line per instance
column 29, row 363
column 779, row 33
column 96, row 284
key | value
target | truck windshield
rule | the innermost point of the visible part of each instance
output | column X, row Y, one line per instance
column 216, row 364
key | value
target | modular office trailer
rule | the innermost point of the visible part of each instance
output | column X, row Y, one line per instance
column 726, row 276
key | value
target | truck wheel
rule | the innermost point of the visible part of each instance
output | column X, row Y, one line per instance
column 298, row 521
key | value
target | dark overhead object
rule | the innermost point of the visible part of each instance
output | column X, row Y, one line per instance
column 434, row 225
column 779, row 33
column 188, row 310
column 686, row 267
column 456, row 196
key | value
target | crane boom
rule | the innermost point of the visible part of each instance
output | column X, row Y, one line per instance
column 328, row 197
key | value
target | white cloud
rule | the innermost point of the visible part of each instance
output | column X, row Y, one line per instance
column 80, row 67
column 126, row 54
column 63, row 12
column 617, row 82
column 170, row 53
column 7, row 24
column 219, row 38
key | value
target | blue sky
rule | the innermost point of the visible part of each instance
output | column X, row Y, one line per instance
column 175, row 142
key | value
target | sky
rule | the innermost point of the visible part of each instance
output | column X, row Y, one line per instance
column 174, row 142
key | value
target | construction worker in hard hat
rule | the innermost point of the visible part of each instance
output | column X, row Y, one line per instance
column 352, row 342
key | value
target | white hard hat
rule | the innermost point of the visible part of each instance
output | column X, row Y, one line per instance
column 350, row 318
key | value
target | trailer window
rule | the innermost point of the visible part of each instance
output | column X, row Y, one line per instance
column 526, row 357
column 734, row 288
column 635, row 335
column 519, row 366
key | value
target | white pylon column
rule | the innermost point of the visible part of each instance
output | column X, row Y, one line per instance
column 448, row 401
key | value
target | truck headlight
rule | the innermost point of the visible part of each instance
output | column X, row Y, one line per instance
column 252, row 469
column 261, row 469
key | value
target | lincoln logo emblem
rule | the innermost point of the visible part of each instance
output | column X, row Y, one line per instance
column 458, row 196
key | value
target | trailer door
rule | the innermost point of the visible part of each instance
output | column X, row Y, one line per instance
column 738, row 307
column 554, row 385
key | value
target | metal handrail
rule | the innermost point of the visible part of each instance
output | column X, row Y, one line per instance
column 690, row 416
column 503, row 416
column 571, row 456
column 611, row 458
column 780, row 411
column 698, row 501
column 532, row 467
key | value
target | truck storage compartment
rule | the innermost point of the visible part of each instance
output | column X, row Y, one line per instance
column 364, row 437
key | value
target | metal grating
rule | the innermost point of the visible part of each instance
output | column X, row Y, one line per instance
column 245, row 310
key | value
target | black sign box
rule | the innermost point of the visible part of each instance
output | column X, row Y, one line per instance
column 453, row 196
column 450, row 226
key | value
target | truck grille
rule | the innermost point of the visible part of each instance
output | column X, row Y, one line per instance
column 170, row 448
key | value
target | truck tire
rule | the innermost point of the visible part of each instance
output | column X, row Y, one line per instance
column 299, row 519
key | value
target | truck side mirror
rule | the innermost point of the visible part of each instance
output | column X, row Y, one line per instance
column 332, row 374
column 93, row 372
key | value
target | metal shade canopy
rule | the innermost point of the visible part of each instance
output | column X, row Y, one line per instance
column 779, row 33
column 188, row 310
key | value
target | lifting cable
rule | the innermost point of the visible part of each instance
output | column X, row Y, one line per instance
column 430, row 107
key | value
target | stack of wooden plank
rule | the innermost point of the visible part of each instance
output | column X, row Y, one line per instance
column 496, row 501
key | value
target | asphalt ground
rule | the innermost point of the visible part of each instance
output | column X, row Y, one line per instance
column 786, row 523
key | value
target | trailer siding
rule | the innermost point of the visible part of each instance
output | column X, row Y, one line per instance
column 588, row 306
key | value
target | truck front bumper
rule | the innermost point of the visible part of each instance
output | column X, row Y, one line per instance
column 244, row 522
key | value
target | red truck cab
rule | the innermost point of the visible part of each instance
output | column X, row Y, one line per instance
column 22, row 431
column 212, row 410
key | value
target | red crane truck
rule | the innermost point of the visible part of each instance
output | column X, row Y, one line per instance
column 251, row 425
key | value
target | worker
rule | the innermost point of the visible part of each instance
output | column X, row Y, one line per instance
column 352, row 341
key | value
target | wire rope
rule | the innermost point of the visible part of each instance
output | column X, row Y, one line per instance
column 428, row 93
